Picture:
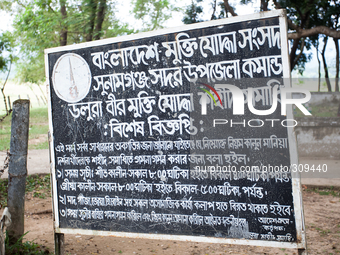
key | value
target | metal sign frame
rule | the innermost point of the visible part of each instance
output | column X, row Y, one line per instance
column 296, row 184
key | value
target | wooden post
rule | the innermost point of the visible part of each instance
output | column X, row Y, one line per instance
column 59, row 244
column 17, row 170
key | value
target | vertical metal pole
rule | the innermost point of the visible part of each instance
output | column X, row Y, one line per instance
column 59, row 244
column 17, row 169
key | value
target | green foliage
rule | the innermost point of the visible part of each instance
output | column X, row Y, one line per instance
column 222, row 13
column 43, row 24
column 6, row 47
column 38, row 183
column 305, row 57
column 38, row 115
column 27, row 248
column 37, row 130
column 39, row 186
column 40, row 146
column 193, row 12
column 37, row 27
column 325, row 191
column 38, row 126
column 5, row 133
column 323, row 232
column 153, row 13
column 3, row 192
column 321, row 110
column 307, row 14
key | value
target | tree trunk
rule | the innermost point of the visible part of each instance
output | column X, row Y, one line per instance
column 8, row 108
column 92, row 5
column 293, row 53
column 5, row 102
column 193, row 11
column 302, row 46
column 264, row 5
column 63, row 32
column 228, row 8
column 336, row 42
column 100, row 19
column 319, row 65
column 214, row 10
column 329, row 87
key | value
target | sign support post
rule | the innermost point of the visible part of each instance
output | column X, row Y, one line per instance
column 302, row 251
column 59, row 244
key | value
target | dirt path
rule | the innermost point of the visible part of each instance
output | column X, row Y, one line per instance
column 321, row 215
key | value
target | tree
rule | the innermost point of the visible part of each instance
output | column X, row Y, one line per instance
column 307, row 19
column 6, row 59
column 6, row 45
column 337, row 57
column 153, row 13
column 42, row 24
column 193, row 12
column 325, row 40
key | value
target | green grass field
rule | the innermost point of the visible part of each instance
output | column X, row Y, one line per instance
column 38, row 129
column 321, row 110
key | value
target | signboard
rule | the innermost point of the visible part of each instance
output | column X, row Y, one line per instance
column 177, row 134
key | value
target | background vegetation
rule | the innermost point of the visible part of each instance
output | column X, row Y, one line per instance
column 38, row 129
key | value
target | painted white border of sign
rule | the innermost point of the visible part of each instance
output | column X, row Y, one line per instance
column 296, row 183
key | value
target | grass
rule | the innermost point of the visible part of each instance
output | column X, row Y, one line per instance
column 35, row 132
column 323, row 232
column 27, row 248
column 3, row 192
column 38, row 126
column 321, row 110
column 38, row 186
column 326, row 191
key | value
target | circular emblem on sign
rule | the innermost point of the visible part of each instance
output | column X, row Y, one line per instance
column 71, row 78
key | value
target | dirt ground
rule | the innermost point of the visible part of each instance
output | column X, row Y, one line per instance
column 322, row 227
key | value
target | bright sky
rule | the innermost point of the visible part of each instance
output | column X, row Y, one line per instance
column 125, row 15
column 5, row 21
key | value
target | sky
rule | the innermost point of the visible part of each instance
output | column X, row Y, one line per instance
column 125, row 16
column 6, row 21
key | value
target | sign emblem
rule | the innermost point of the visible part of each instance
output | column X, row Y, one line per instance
column 71, row 78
